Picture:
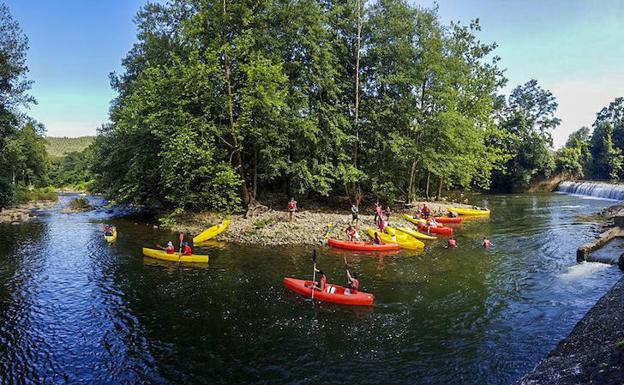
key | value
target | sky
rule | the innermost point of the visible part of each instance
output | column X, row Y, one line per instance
column 574, row 48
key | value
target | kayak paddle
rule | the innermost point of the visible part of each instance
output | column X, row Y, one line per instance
column 180, row 255
column 313, row 272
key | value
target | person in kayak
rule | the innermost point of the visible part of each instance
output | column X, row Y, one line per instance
column 108, row 230
column 486, row 243
column 170, row 248
column 320, row 285
column 431, row 222
column 350, row 231
column 356, row 236
column 292, row 207
column 187, row 249
column 354, row 283
column 452, row 243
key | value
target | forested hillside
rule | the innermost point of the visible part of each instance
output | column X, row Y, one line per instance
column 59, row 146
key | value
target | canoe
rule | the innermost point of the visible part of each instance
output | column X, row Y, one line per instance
column 332, row 293
column 162, row 254
column 404, row 242
column 111, row 238
column 437, row 230
column 469, row 211
column 450, row 220
column 415, row 233
column 415, row 221
column 362, row 246
column 211, row 232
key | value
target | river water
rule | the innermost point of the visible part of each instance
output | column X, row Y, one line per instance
column 75, row 310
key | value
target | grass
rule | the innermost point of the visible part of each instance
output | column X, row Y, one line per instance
column 262, row 223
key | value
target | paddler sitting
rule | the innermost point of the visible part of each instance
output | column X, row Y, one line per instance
column 170, row 248
column 431, row 222
column 353, row 284
column 320, row 285
column 108, row 230
column 187, row 249
column 350, row 231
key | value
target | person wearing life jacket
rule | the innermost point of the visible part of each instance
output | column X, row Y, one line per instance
column 387, row 213
column 292, row 207
column 452, row 243
column 353, row 284
column 187, row 249
column 320, row 285
column 376, row 239
column 486, row 243
column 356, row 235
column 355, row 212
column 382, row 225
column 350, row 231
column 108, row 230
column 170, row 248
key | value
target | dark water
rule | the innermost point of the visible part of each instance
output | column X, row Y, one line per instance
column 74, row 310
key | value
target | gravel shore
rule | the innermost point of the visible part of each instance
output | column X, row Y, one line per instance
column 273, row 228
column 24, row 212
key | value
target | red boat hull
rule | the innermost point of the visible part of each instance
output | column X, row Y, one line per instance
column 449, row 219
column 437, row 230
column 362, row 246
column 332, row 293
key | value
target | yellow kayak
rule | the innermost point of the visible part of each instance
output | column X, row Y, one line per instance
column 469, row 211
column 212, row 232
column 111, row 238
column 175, row 257
column 404, row 242
column 415, row 221
column 415, row 233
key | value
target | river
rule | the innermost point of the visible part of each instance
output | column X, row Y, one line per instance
column 76, row 310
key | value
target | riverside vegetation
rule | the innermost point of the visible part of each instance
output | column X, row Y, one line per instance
column 223, row 103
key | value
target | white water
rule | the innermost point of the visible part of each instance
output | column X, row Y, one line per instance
column 593, row 189
column 583, row 269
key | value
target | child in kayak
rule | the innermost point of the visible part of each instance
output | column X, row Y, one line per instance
column 170, row 249
column 187, row 249
column 320, row 285
column 376, row 239
column 353, row 284
column 350, row 233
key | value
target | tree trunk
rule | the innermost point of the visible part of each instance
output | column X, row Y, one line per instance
column 246, row 195
column 440, row 188
column 411, row 191
column 357, row 83
column 427, row 189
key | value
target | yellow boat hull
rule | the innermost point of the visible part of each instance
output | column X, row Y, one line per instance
column 175, row 257
column 415, row 234
column 415, row 221
column 474, row 212
column 211, row 232
column 111, row 238
column 403, row 242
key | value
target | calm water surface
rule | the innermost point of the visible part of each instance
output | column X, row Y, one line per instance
column 73, row 309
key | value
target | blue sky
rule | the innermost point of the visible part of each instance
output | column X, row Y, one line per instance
column 573, row 48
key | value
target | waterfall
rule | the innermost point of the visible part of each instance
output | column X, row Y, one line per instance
column 594, row 189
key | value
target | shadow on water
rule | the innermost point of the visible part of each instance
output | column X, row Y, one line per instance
column 74, row 309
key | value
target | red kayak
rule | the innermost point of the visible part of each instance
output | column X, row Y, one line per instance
column 448, row 219
column 332, row 293
column 362, row 246
column 438, row 230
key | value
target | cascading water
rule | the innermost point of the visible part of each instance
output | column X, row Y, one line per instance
column 594, row 189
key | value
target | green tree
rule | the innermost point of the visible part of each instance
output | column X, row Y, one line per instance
column 606, row 159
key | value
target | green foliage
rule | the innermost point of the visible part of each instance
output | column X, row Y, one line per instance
column 6, row 193
column 79, row 204
column 59, row 147
column 262, row 223
column 72, row 170
column 23, row 194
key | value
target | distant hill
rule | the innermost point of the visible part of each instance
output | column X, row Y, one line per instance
column 61, row 146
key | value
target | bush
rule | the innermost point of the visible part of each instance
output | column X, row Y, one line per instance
column 24, row 194
column 262, row 223
column 79, row 204
column 6, row 193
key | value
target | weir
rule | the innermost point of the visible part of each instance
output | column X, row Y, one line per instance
column 593, row 189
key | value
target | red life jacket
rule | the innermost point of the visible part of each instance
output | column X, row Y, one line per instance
column 187, row 250
column 292, row 205
column 355, row 285
column 170, row 250
column 322, row 282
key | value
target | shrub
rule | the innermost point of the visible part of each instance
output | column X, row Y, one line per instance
column 79, row 204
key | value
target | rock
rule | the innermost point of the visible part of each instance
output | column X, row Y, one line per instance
column 621, row 262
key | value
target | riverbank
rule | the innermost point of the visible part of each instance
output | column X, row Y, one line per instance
column 24, row 212
column 593, row 353
column 273, row 228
